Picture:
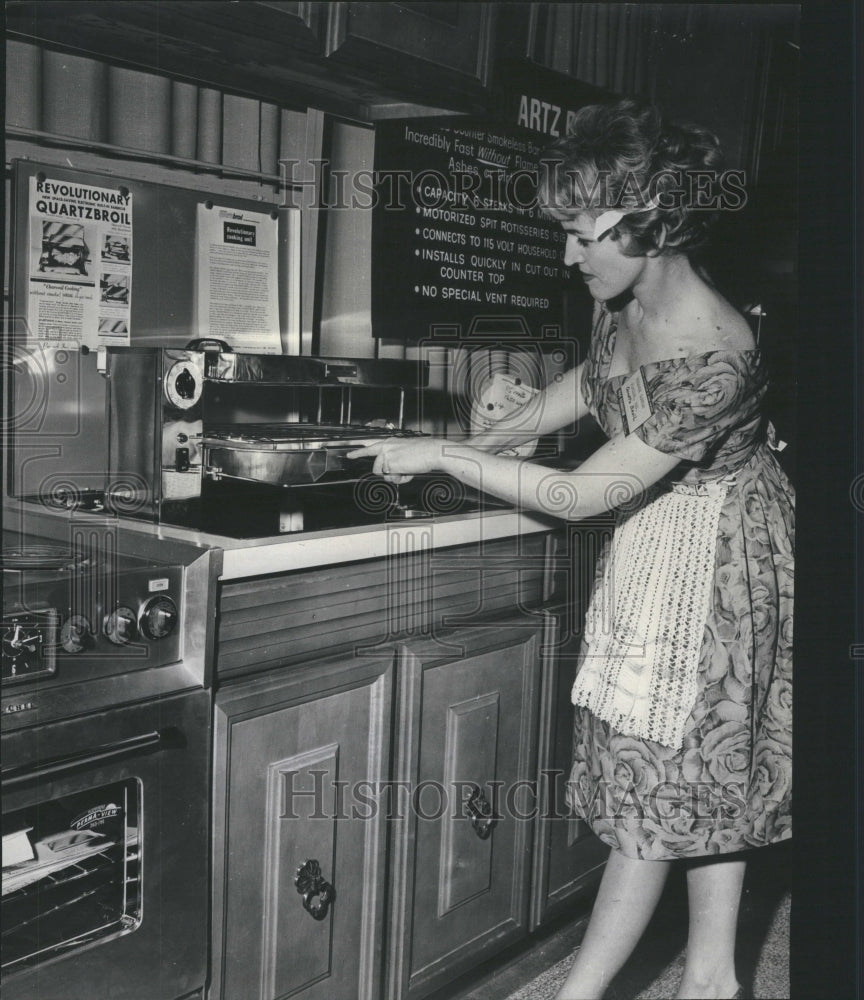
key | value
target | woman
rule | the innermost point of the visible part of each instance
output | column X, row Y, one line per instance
column 682, row 748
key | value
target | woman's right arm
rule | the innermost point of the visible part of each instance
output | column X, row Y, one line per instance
column 559, row 405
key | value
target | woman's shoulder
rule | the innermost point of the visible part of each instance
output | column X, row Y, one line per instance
column 712, row 323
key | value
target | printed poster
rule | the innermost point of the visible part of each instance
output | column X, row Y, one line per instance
column 80, row 265
column 237, row 273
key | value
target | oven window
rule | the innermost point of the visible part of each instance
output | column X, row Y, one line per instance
column 71, row 872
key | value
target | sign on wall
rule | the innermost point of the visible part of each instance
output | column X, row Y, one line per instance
column 79, row 266
column 457, row 233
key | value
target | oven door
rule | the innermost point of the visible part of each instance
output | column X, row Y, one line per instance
column 105, row 854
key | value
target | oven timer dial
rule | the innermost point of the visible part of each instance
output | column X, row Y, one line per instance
column 158, row 617
column 120, row 626
column 75, row 634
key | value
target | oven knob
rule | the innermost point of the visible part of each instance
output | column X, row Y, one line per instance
column 75, row 634
column 158, row 617
column 120, row 626
column 183, row 384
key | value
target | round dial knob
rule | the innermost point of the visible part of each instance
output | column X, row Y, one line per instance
column 184, row 384
column 75, row 634
column 120, row 626
column 158, row 617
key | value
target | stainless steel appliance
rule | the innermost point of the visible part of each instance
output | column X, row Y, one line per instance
column 242, row 445
column 105, row 770
column 213, row 439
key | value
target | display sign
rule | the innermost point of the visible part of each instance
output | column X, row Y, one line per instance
column 457, row 234
column 541, row 99
column 236, row 278
column 79, row 285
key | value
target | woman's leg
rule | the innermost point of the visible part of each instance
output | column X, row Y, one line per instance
column 627, row 897
column 714, row 892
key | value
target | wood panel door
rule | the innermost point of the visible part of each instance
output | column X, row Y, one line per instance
column 568, row 858
column 300, row 761
column 442, row 47
column 462, row 833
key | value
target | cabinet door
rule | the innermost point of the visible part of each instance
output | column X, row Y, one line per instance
column 467, row 733
column 300, row 761
column 417, row 41
column 568, row 858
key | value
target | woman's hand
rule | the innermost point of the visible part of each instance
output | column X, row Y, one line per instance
column 400, row 459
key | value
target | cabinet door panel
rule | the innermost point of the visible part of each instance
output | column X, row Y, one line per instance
column 289, row 754
column 470, row 744
column 296, row 951
column 568, row 858
column 451, row 36
column 467, row 726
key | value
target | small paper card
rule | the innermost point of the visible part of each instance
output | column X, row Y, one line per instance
column 500, row 396
column 17, row 847
column 635, row 402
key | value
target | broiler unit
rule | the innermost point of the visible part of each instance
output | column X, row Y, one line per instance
column 228, row 442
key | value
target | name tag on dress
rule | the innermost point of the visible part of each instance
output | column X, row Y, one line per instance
column 635, row 403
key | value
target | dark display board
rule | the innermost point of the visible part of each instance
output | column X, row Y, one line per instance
column 457, row 238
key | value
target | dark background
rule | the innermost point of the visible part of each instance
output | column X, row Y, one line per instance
column 825, row 957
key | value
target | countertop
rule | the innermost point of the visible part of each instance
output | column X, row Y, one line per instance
column 245, row 557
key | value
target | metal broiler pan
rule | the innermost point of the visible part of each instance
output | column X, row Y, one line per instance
column 312, row 455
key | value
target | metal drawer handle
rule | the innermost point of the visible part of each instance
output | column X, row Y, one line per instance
column 480, row 814
column 60, row 767
column 311, row 883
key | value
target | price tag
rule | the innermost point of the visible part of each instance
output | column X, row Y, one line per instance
column 635, row 403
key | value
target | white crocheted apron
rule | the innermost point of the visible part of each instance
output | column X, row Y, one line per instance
column 646, row 619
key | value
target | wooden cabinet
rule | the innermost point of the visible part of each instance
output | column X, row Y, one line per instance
column 300, row 759
column 357, row 59
column 466, row 748
column 398, row 739
column 441, row 41
column 567, row 857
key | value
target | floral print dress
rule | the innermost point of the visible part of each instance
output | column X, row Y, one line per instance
column 728, row 788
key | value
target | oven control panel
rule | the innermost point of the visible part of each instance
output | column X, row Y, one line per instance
column 89, row 623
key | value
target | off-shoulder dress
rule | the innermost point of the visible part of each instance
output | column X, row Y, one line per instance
column 728, row 788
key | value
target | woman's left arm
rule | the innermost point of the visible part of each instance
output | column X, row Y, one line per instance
column 617, row 471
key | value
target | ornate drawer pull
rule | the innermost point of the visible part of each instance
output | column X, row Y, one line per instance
column 480, row 814
column 311, row 883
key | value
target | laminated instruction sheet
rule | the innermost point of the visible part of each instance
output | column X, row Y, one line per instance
column 236, row 278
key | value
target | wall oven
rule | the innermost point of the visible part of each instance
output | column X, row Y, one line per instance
column 105, row 774
column 106, row 818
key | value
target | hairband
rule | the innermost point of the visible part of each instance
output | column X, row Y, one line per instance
column 609, row 220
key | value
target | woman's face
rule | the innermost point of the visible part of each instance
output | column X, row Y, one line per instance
column 606, row 271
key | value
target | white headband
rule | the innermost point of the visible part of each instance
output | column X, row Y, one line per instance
column 608, row 220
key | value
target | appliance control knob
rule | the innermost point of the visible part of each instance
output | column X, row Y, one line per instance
column 158, row 617
column 121, row 626
column 185, row 385
column 74, row 634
